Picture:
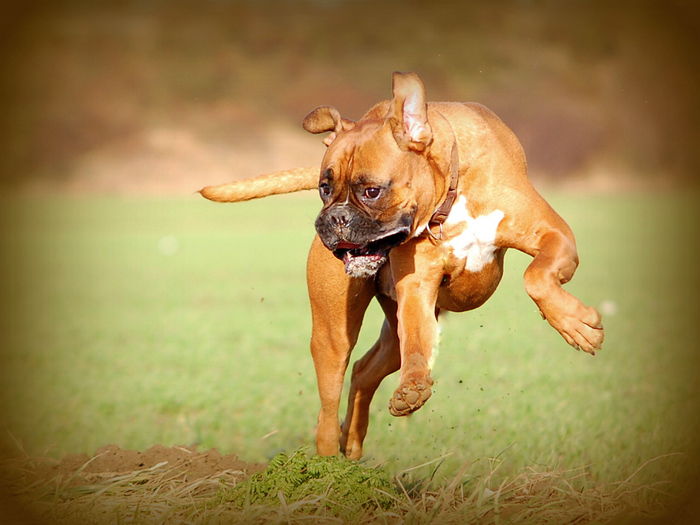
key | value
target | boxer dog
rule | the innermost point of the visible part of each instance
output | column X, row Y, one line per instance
column 421, row 200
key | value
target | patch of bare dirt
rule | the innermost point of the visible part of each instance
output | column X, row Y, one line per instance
column 27, row 484
column 183, row 463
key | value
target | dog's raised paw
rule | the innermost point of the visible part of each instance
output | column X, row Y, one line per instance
column 409, row 397
column 584, row 331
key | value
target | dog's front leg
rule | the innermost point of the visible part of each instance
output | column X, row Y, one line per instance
column 554, row 264
column 338, row 304
column 417, row 275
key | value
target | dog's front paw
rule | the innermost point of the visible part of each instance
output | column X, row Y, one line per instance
column 581, row 327
column 410, row 396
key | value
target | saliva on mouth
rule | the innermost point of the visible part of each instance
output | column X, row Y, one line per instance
column 364, row 260
column 359, row 260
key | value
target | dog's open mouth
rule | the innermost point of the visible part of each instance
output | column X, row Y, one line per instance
column 363, row 260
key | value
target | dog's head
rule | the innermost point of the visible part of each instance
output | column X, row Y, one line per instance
column 378, row 177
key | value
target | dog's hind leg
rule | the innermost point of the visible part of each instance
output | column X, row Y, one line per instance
column 382, row 359
column 338, row 303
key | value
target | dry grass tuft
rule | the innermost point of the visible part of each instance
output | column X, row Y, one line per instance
column 158, row 494
column 536, row 495
column 164, row 494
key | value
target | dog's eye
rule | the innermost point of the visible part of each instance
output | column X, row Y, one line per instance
column 325, row 189
column 372, row 193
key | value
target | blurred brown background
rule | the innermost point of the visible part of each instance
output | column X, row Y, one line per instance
column 164, row 97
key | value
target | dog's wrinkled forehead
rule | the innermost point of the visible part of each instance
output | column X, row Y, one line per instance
column 365, row 149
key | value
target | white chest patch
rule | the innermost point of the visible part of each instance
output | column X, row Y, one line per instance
column 476, row 243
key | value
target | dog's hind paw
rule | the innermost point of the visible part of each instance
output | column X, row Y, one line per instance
column 410, row 396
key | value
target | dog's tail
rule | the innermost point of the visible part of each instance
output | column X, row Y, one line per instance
column 287, row 181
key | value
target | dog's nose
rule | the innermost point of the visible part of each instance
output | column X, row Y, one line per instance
column 340, row 216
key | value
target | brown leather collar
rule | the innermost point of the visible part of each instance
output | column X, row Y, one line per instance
column 443, row 211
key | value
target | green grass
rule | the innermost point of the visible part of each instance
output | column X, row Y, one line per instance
column 105, row 339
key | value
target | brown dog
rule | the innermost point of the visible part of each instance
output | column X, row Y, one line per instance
column 420, row 203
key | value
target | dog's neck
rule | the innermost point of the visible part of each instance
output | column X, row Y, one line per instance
column 441, row 213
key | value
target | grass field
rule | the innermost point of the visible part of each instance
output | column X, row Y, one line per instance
column 143, row 321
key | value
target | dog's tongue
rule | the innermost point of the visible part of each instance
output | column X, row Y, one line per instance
column 347, row 246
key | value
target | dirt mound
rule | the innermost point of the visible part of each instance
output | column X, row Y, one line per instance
column 34, row 488
column 183, row 463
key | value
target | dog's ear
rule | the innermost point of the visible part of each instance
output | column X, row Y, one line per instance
column 409, row 112
column 326, row 118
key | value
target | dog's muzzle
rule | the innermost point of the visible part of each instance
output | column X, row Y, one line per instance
column 355, row 239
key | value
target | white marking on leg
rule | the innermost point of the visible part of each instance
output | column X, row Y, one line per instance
column 436, row 346
column 477, row 242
